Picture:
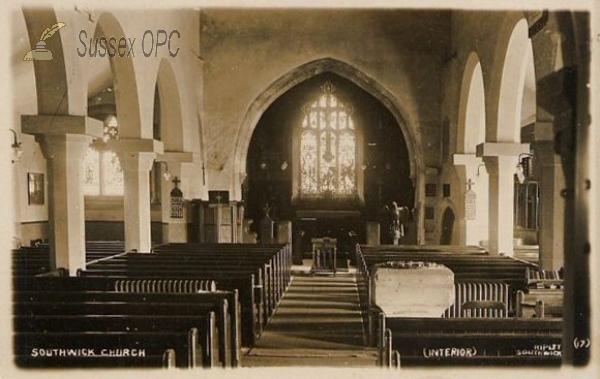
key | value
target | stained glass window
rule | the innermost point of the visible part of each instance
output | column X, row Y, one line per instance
column 102, row 170
column 327, row 147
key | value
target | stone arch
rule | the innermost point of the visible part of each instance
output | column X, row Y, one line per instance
column 308, row 70
column 126, row 87
column 471, row 114
column 48, row 76
column 511, row 90
column 170, row 107
column 347, row 71
column 301, row 73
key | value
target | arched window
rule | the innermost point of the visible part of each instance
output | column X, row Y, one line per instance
column 103, row 175
column 327, row 148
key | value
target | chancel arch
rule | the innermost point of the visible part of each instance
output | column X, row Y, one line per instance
column 329, row 157
column 359, row 79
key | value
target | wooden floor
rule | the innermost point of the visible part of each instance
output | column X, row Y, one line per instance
column 318, row 323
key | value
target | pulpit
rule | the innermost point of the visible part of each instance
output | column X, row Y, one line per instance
column 324, row 254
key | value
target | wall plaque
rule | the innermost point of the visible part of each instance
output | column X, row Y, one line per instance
column 470, row 205
column 176, row 201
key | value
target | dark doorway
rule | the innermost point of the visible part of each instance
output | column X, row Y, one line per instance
column 447, row 226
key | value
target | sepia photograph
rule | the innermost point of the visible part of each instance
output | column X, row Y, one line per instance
column 264, row 190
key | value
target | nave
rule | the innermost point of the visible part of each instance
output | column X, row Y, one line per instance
column 167, row 203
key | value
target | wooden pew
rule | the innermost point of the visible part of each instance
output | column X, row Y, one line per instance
column 223, row 304
column 273, row 278
column 139, row 262
column 276, row 261
column 84, row 303
column 279, row 266
column 249, row 291
column 247, row 287
column 539, row 303
column 543, row 296
column 499, row 277
column 104, row 349
column 470, row 342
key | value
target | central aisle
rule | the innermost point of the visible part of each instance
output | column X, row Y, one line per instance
column 318, row 323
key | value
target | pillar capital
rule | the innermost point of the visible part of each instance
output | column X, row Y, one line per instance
column 136, row 161
column 137, row 145
column 503, row 164
column 502, row 149
column 61, row 125
column 466, row 160
column 71, row 145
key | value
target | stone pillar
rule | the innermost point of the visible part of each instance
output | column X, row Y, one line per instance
column 551, row 181
column 284, row 232
column 136, row 179
column 15, row 203
column 471, row 173
column 373, row 233
column 137, row 157
column 500, row 161
column 64, row 140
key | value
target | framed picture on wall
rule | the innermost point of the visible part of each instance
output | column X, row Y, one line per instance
column 430, row 189
column 35, row 188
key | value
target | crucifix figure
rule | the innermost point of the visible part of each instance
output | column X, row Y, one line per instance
column 469, row 184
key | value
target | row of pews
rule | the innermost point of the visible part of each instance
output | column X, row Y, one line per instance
column 181, row 305
column 35, row 260
column 496, row 334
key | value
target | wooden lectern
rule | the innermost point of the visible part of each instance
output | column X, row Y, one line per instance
column 324, row 253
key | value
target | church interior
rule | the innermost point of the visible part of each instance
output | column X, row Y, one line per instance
column 273, row 187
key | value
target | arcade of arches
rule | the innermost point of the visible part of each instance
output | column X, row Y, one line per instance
column 452, row 116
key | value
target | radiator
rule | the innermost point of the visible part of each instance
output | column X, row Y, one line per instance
column 164, row 285
column 478, row 291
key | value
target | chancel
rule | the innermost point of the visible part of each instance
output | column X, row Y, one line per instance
column 301, row 187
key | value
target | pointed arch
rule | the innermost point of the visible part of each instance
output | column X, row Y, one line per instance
column 170, row 107
column 306, row 71
column 126, row 87
column 471, row 114
column 511, row 90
